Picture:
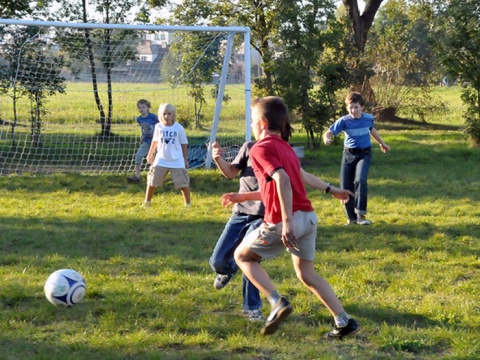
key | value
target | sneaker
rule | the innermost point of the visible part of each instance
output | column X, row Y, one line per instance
column 221, row 281
column 362, row 221
column 146, row 204
column 339, row 332
column 133, row 179
column 278, row 313
column 253, row 315
column 351, row 222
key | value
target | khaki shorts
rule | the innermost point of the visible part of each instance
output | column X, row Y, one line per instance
column 266, row 241
column 156, row 176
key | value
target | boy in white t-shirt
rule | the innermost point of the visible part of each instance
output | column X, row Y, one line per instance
column 170, row 143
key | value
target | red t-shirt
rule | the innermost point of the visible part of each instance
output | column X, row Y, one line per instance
column 269, row 155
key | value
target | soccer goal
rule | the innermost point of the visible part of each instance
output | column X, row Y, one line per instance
column 68, row 92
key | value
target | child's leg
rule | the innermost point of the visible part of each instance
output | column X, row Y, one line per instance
column 137, row 170
column 247, row 261
column 149, row 192
column 305, row 271
column 186, row 194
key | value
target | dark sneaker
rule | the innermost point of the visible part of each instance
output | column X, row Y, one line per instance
column 362, row 221
column 221, row 281
column 133, row 179
column 340, row 332
column 278, row 313
column 253, row 315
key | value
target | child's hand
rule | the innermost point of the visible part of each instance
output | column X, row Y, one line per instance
column 384, row 147
column 217, row 151
column 231, row 198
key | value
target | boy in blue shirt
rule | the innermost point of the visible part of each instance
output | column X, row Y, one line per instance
column 357, row 155
column 147, row 122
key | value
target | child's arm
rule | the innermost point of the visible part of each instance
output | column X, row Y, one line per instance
column 327, row 137
column 379, row 140
column 227, row 169
column 229, row 199
column 185, row 155
column 151, row 152
column 284, row 190
column 317, row 183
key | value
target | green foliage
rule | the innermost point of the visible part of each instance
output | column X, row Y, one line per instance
column 402, row 59
column 298, row 67
column 471, row 97
column 27, row 54
column 458, row 46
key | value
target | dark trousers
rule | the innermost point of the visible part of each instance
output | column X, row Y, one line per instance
column 222, row 261
column 353, row 177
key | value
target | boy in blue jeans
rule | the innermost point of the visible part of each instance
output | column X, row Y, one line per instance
column 357, row 155
column 246, row 216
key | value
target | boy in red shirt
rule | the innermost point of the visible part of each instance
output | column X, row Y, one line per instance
column 289, row 220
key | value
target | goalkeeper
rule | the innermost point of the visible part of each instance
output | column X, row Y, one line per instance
column 147, row 122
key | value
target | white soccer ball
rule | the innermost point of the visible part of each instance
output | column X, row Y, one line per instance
column 65, row 287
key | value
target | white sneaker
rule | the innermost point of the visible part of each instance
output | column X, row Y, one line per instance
column 253, row 315
column 362, row 221
column 146, row 204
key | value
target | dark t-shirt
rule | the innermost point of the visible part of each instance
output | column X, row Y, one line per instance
column 147, row 124
column 248, row 182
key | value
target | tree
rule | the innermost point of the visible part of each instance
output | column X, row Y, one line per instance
column 261, row 16
column 359, row 27
column 195, row 69
column 28, row 55
column 15, row 8
column 361, row 22
column 404, row 64
column 458, row 47
column 300, row 65
column 111, row 12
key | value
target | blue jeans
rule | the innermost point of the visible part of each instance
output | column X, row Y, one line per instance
column 222, row 261
column 353, row 177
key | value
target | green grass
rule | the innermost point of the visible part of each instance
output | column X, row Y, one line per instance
column 411, row 279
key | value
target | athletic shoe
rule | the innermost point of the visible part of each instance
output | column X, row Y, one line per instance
column 253, row 315
column 146, row 204
column 221, row 281
column 133, row 179
column 340, row 332
column 278, row 313
column 351, row 222
column 362, row 221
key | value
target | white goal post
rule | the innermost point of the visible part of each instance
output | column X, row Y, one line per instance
column 68, row 91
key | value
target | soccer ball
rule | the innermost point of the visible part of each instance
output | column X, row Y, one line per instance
column 65, row 287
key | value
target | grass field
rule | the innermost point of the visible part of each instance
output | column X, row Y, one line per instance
column 412, row 279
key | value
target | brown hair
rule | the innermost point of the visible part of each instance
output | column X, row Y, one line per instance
column 355, row 97
column 274, row 110
column 144, row 102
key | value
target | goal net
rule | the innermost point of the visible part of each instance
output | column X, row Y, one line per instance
column 68, row 92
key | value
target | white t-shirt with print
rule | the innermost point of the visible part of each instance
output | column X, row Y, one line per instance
column 169, row 147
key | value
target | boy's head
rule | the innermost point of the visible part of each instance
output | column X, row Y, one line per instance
column 167, row 114
column 144, row 102
column 272, row 113
column 355, row 97
column 143, row 107
column 355, row 104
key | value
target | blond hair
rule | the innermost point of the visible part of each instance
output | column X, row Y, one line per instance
column 168, row 107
